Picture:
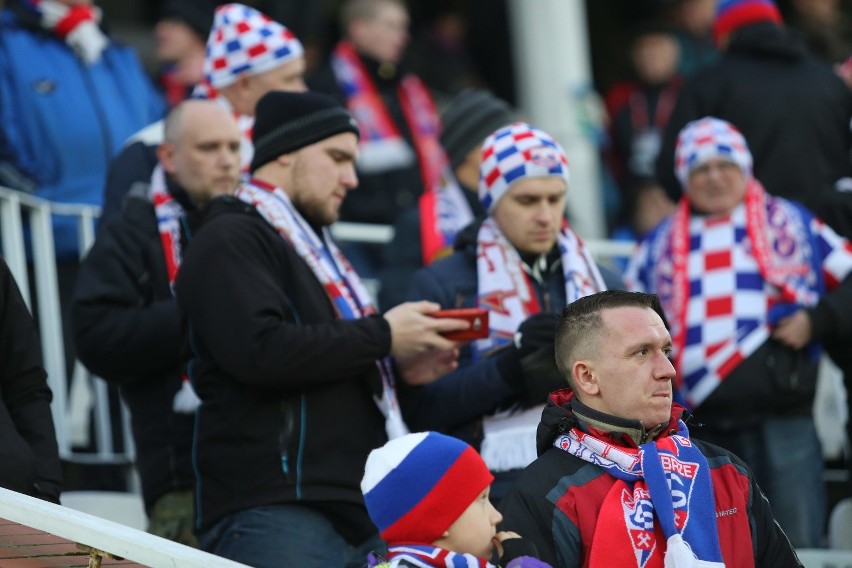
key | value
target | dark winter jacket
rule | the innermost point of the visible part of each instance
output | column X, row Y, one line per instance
column 287, row 388
column 29, row 456
column 127, row 330
column 793, row 111
column 456, row 403
column 558, row 498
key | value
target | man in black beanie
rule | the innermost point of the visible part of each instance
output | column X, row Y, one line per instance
column 290, row 359
column 467, row 121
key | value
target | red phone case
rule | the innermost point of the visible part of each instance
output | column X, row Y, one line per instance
column 478, row 318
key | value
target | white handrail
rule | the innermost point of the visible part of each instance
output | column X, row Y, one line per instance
column 102, row 534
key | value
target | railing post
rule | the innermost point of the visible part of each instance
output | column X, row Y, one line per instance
column 12, row 233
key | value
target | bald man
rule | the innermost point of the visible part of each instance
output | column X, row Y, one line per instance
column 126, row 320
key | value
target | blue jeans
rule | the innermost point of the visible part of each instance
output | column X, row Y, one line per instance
column 284, row 535
column 785, row 455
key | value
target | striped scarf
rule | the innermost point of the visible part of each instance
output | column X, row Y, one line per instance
column 664, row 486
column 426, row 556
column 77, row 26
column 725, row 281
column 341, row 283
column 169, row 214
column 505, row 289
column 383, row 147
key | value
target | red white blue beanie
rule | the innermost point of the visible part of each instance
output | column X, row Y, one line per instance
column 706, row 139
column 244, row 40
column 513, row 153
column 417, row 485
column 733, row 14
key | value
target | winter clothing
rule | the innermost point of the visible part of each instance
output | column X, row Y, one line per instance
column 731, row 15
column 416, row 486
column 793, row 111
column 710, row 138
column 471, row 117
column 517, row 553
column 561, row 501
column 244, row 40
column 269, row 427
column 28, row 449
column 128, row 331
column 287, row 122
column 197, row 14
column 63, row 120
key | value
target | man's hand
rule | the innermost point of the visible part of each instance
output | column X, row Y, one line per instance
column 413, row 332
column 795, row 330
column 428, row 366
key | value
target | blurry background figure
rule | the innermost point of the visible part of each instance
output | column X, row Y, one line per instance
column 640, row 109
column 824, row 26
column 443, row 38
column 399, row 153
column 181, row 35
column 693, row 22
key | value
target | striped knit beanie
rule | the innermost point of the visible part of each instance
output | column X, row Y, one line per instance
column 417, row 485
column 733, row 14
column 516, row 152
column 708, row 138
column 244, row 40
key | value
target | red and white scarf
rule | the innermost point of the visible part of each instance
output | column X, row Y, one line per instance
column 505, row 289
column 383, row 147
column 169, row 214
column 720, row 279
column 341, row 283
column 444, row 212
column 78, row 26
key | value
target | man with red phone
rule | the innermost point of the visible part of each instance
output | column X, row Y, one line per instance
column 520, row 265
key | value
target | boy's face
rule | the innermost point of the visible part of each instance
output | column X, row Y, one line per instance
column 472, row 532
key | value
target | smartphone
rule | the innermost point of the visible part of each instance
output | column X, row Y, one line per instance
column 478, row 318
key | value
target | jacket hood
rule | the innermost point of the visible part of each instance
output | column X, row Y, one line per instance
column 766, row 39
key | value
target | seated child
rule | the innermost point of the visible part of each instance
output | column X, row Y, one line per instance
column 428, row 495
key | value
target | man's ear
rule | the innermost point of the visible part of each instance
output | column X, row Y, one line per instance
column 165, row 154
column 585, row 379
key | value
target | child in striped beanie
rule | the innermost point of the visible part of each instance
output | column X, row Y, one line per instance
column 428, row 495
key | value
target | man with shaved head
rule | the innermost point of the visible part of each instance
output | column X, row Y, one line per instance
column 126, row 320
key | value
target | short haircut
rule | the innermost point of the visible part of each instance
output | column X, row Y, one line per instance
column 580, row 323
column 363, row 10
column 173, row 123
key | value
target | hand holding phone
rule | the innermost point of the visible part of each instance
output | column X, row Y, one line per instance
column 477, row 317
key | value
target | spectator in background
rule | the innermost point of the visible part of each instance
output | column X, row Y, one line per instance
column 399, row 153
column 28, row 450
column 181, row 34
column 126, row 320
column 751, row 285
column 824, row 26
column 523, row 264
column 693, row 22
column 794, row 111
column 70, row 97
column 639, row 111
column 427, row 232
column 248, row 55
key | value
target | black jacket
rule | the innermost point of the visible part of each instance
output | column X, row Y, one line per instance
column 287, row 388
column 29, row 456
column 127, row 330
column 793, row 111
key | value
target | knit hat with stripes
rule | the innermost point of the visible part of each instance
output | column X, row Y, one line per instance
column 733, row 14
column 706, row 139
column 417, row 485
column 244, row 40
column 515, row 152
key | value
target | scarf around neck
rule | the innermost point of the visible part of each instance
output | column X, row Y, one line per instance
column 77, row 26
column 664, row 489
column 427, row 556
column 506, row 290
column 169, row 213
column 341, row 283
column 443, row 209
column 766, row 248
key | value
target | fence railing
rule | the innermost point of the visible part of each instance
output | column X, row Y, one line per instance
column 82, row 404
